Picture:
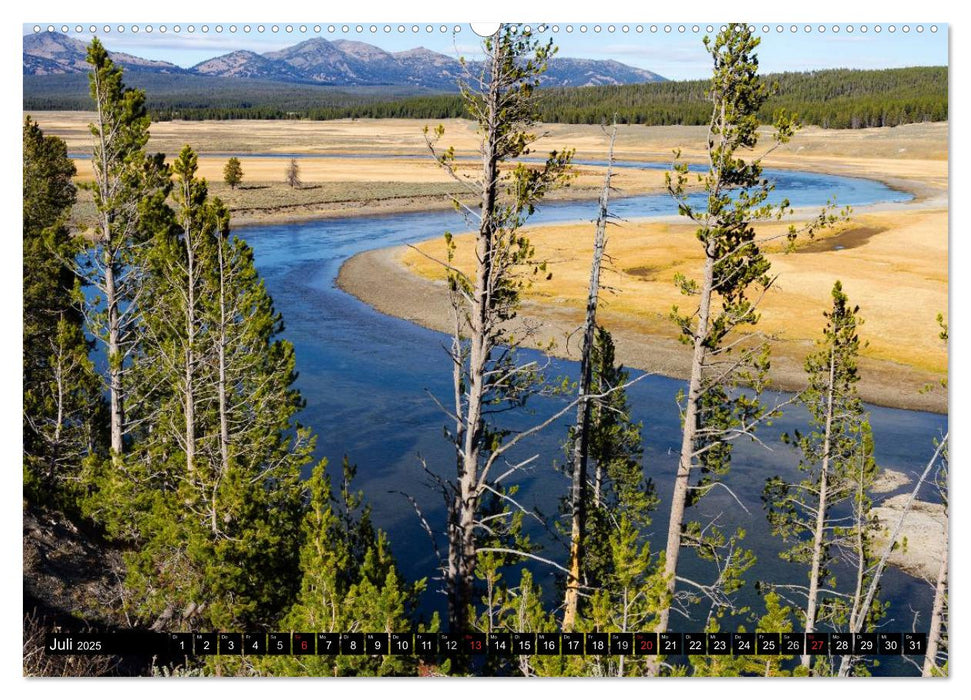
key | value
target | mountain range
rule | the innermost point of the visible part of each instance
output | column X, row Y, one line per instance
column 322, row 62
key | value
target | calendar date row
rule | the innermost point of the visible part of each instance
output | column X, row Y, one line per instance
column 499, row 643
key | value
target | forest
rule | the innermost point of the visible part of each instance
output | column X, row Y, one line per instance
column 160, row 412
column 834, row 99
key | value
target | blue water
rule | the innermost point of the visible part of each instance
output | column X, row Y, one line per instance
column 367, row 377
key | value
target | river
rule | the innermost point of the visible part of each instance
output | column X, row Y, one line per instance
column 367, row 377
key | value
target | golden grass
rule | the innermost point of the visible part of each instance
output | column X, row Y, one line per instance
column 404, row 136
column 897, row 274
column 401, row 170
column 913, row 156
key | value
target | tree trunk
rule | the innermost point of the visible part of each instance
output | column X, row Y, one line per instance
column 680, row 496
column 221, row 389
column 190, row 334
column 581, row 437
column 60, row 373
column 937, row 615
column 461, row 564
column 462, row 548
column 111, row 272
column 811, row 602
column 115, row 362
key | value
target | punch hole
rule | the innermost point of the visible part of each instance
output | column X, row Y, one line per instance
column 486, row 29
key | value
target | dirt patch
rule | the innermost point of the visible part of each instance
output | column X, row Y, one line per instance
column 845, row 240
column 889, row 480
column 644, row 272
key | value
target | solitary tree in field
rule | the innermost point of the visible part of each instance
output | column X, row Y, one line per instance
column 487, row 376
column 61, row 393
column 233, row 172
column 718, row 326
column 293, row 173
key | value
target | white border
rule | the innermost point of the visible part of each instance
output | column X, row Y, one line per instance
column 562, row 11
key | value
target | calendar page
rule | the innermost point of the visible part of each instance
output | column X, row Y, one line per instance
column 447, row 349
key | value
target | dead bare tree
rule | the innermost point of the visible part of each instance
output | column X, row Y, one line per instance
column 581, row 430
column 863, row 601
column 487, row 377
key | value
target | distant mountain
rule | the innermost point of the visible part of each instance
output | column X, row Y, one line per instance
column 579, row 72
column 340, row 63
column 247, row 64
column 426, row 67
column 52, row 53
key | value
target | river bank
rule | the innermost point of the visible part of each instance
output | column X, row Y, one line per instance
column 921, row 543
column 380, row 279
column 892, row 260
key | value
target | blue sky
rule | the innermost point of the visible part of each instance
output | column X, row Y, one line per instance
column 673, row 53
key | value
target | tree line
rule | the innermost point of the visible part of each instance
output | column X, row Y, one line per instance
column 182, row 443
column 832, row 98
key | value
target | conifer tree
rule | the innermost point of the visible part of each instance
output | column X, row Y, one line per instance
column 211, row 493
column 579, row 458
column 233, row 172
column 617, row 489
column 623, row 583
column 61, row 397
column 837, row 460
column 802, row 513
column 619, row 486
column 726, row 350
column 349, row 582
column 777, row 619
column 628, row 599
column 129, row 191
column 293, row 173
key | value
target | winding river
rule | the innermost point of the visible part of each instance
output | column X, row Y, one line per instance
column 367, row 377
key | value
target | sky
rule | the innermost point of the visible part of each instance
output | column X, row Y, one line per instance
column 674, row 51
